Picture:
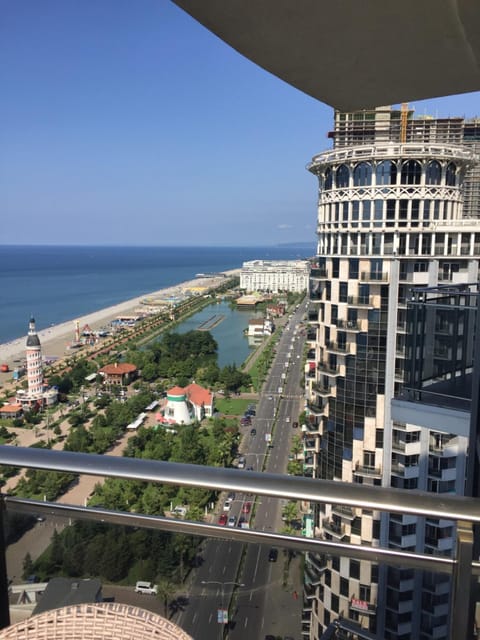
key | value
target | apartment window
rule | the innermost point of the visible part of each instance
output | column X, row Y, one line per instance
column 365, row 592
column 335, row 267
column 366, row 212
column 328, row 577
column 386, row 172
column 378, row 213
column 353, row 269
column 355, row 569
column 379, row 438
column 356, row 528
column 362, row 174
column 355, row 210
column 336, row 563
column 433, row 173
column 328, row 179
column 335, row 603
column 450, row 175
column 342, row 176
column 343, row 292
column 344, row 587
column 411, row 172
column 420, row 267
column 414, row 212
column 369, row 459
column 334, row 314
column 390, row 214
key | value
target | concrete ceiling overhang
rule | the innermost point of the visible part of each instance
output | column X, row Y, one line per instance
column 354, row 54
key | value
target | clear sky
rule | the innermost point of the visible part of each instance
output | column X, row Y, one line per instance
column 126, row 122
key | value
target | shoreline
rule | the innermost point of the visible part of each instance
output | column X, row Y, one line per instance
column 54, row 339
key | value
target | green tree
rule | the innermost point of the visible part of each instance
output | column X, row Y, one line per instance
column 27, row 566
column 166, row 590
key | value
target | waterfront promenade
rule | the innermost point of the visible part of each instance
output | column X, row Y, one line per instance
column 55, row 339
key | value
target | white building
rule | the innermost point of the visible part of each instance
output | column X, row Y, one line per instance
column 275, row 275
column 389, row 218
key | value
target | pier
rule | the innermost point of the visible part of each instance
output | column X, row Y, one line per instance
column 211, row 323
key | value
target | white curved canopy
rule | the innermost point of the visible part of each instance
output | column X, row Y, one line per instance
column 354, row 54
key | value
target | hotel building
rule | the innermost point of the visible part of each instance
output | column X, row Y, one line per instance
column 390, row 218
column 275, row 275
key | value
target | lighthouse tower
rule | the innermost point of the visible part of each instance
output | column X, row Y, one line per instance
column 34, row 363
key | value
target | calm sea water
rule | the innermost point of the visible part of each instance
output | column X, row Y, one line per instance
column 60, row 283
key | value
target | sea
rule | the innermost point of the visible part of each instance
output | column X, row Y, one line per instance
column 55, row 284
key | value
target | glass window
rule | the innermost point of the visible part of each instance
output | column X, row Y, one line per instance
column 386, row 172
column 342, row 176
column 343, row 292
column 366, row 206
column 426, row 210
column 411, row 172
column 328, row 179
column 378, row 213
column 353, row 268
column 450, row 175
column 362, row 175
column 434, row 173
column 355, row 569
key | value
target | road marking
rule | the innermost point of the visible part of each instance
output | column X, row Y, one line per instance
column 245, row 623
column 195, row 617
column 256, row 569
column 210, row 618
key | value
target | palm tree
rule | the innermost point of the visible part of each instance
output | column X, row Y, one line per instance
column 165, row 590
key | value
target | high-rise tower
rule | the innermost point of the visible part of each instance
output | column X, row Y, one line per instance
column 390, row 217
column 34, row 362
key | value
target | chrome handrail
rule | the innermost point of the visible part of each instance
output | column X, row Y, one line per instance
column 463, row 509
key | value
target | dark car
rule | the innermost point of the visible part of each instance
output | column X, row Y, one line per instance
column 273, row 555
column 295, row 425
column 253, row 432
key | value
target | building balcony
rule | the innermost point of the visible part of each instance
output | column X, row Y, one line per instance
column 310, row 444
column 328, row 369
column 362, row 606
column 322, row 390
column 444, row 475
column 367, row 470
column 316, row 561
column 443, row 447
column 316, row 409
column 412, row 471
column 344, row 512
column 349, row 325
column 319, row 274
column 373, row 276
column 363, row 301
column 335, row 347
column 334, row 529
column 439, row 544
column 408, row 540
column 407, row 448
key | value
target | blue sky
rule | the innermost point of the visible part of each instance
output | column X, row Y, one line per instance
column 128, row 123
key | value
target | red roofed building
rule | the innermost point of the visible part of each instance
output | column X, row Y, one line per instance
column 11, row 411
column 185, row 405
column 121, row 373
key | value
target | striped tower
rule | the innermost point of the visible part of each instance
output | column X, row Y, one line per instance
column 34, row 362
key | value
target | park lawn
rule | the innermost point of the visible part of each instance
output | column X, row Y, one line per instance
column 232, row 406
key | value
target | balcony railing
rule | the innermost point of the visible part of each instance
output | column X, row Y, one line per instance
column 362, row 301
column 466, row 511
column 373, row 276
column 348, row 325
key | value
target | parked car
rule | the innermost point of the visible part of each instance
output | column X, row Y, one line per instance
column 273, row 555
column 295, row 425
column 232, row 521
column 223, row 519
column 231, row 495
column 227, row 505
column 146, row 587
column 253, row 432
column 246, row 507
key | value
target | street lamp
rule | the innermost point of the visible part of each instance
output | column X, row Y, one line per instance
column 221, row 618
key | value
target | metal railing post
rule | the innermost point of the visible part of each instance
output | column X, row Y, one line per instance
column 462, row 606
column 4, row 605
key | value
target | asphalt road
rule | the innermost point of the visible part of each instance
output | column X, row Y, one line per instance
column 265, row 598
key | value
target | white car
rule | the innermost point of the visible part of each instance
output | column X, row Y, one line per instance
column 227, row 505
column 146, row 587
column 232, row 521
column 287, row 419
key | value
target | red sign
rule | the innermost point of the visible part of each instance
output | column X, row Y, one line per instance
column 360, row 604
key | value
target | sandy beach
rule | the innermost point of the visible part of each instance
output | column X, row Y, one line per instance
column 55, row 339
